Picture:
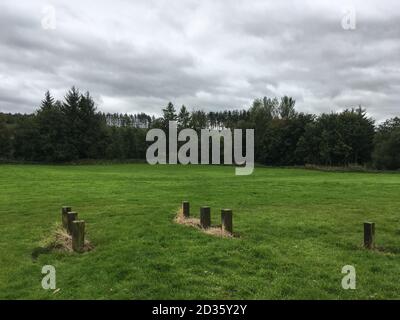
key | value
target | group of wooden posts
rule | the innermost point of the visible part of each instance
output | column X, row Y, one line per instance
column 226, row 223
column 205, row 217
column 74, row 227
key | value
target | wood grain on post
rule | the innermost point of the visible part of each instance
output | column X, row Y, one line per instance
column 205, row 217
column 226, row 220
column 78, row 235
column 64, row 216
column 186, row 209
column 369, row 234
column 72, row 216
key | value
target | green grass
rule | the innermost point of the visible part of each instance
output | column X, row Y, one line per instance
column 297, row 228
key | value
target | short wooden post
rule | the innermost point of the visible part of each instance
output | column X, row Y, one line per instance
column 186, row 209
column 205, row 217
column 78, row 235
column 72, row 216
column 369, row 234
column 226, row 220
column 64, row 216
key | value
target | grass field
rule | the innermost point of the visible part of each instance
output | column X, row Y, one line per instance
column 297, row 228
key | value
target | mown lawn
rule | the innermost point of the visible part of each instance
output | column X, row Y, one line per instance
column 297, row 228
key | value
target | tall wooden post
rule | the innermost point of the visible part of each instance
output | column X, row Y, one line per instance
column 64, row 216
column 78, row 235
column 186, row 209
column 226, row 220
column 72, row 216
column 205, row 217
column 369, row 234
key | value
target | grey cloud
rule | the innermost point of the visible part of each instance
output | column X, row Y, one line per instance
column 206, row 54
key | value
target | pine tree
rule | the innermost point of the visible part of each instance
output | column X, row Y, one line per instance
column 47, row 102
column 91, row 127
column 70, row 109
column 51, row 126
column 183, row 118
column 169, row 113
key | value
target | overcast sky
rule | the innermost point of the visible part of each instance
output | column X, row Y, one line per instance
column 138, row 55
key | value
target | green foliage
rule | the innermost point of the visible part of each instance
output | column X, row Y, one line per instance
column 286, row 108
column 338, row 139
column 169, row 114
column 52, row 131
column 60, row 132
column 85, row 129
column 281, row 139
column 74, row 130
column 198, row 120
column 27, row 139
column 387, row 145
column 126, row 143
column 183, row 118
column 5, row 141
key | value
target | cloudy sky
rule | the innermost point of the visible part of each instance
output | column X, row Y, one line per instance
column 211, row 55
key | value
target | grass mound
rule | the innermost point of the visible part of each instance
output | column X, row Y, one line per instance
column 58, row 240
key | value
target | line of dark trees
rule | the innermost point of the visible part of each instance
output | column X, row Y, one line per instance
column 73, row 129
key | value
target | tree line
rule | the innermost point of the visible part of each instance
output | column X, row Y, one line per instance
column 73, row 129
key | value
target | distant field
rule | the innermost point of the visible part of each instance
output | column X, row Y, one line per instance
column 297, row 228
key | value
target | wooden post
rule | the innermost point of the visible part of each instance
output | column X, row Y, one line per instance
column 78, row 235
column 186, row 209
column 72, row 216
column 205, row 217
column 226, row 220
column 64, row 216
column 369, row 234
